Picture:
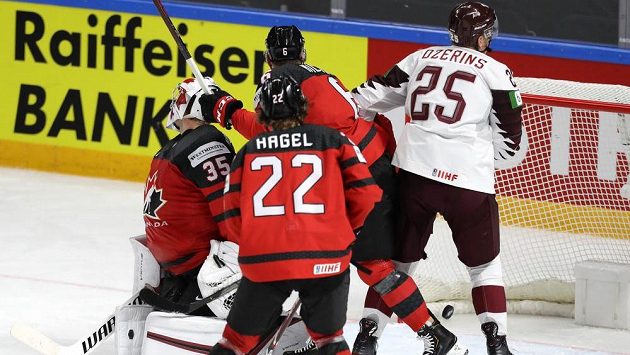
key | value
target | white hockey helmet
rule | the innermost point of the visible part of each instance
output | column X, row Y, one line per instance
column 185, row 101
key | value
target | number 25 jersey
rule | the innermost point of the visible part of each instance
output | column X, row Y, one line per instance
column 462, row 110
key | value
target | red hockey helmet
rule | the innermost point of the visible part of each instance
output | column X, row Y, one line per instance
column 470, row 20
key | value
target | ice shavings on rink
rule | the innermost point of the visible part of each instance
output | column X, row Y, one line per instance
column 65, row 263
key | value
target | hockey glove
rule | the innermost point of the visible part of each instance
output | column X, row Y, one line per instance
column 218, row 107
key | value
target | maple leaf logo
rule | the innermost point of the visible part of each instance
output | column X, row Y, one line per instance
column 181, row 99
column 152, row 198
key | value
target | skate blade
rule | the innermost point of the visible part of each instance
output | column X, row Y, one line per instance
column 458, row 350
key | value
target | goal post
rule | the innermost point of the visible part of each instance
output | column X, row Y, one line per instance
column 568, row 201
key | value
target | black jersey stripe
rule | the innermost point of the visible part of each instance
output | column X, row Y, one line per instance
column 349, row 162
column 228, row 214
column 307, row 254
column 360, row 183
column 368, row 138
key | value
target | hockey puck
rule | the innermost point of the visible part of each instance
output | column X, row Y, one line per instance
column 447, row 312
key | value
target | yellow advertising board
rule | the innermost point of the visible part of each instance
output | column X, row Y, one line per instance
column 87, row 91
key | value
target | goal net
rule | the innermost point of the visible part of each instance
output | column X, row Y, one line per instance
column 568, row 201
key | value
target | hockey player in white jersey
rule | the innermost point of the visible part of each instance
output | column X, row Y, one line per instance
column 463, row 120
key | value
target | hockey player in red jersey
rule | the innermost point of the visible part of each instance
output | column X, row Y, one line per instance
column 295, row 198
column 183, row 203
column 463, row 115
column 331, row 105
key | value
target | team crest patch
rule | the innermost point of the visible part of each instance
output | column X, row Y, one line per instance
column 323, row 269
column 153, row 200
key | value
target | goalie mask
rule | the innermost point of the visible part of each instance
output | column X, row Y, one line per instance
column 285, row 43
column 470, row 20
column 185, row 101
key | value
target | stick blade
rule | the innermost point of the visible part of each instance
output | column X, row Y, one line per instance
column 35, row 339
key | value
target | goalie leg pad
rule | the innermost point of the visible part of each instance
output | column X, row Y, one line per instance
column 130, row 322
column 179, row 334
column 146, row 268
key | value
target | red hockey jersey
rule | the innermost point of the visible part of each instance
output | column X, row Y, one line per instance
column 329, row 104
column 183, row 197
column 294, row 201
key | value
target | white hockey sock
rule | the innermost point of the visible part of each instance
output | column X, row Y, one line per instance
column 488, row 293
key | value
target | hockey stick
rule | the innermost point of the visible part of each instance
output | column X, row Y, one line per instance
column 184, row 51
column 273, row 337
column 150, row 296
column 285, row 323
column 40, row 342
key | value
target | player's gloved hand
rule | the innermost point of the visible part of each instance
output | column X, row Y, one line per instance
column 219, row 106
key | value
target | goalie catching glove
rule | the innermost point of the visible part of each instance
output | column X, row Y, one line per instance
column 220, row 270
column 219, row 106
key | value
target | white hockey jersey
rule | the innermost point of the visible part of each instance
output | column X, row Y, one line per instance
column 462, row 111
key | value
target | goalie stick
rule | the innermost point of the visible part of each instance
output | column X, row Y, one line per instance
column 150, row 296
column 40, row 342
column 184, row 51
column 43, row 344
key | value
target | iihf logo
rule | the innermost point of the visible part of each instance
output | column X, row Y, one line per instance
column 321, row 269
column 441, row 174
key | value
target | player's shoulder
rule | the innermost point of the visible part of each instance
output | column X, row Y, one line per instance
column 306, row 136
column 299, row 72
column 325, row 137
column 495, row 73
column 201, row 142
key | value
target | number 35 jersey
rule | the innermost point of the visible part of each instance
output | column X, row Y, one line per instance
column 293, row 201
column 462, row 111
column 183, row 197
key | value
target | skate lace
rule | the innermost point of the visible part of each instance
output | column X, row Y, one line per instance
column 429, row 344
column 310, row 345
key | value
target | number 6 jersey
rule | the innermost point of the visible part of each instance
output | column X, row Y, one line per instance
column 293, row 201
column 462, row 111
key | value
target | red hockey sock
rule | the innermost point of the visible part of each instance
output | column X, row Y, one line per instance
column 407, row 302
column 375, row 301
column 398, row 291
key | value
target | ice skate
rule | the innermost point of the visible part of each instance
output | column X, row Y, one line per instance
column 308, row 349
column 366, row 342
column 496, row 344
column 439, row 340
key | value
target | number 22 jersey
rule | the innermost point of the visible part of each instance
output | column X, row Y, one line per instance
column 293, row 202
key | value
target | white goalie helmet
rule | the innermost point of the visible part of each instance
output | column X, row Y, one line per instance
column 185, row 101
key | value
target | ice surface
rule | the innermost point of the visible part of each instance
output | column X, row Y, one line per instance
column 65, row 264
